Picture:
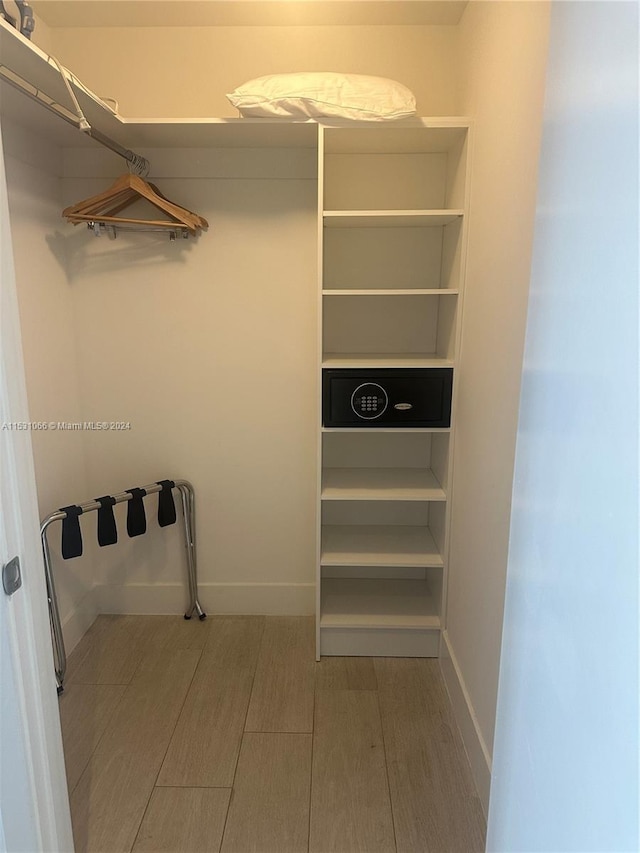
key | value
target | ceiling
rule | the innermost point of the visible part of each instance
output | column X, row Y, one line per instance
column 210, row 13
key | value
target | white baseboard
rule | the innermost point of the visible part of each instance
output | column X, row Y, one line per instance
column 474, row 743
column 78, row 622
column 268, row 599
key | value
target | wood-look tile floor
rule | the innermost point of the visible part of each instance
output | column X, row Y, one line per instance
column 226, row 735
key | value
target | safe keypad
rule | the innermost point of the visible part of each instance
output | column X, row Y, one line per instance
column 369, row 403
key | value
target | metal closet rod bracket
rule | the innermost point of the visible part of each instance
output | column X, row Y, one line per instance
column 188, row 501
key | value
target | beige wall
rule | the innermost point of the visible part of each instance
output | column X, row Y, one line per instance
column 186, row 71
column 502, row 59
column 207, row 348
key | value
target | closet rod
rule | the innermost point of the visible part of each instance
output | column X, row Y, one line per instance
column 140, row 163
column 111, row 230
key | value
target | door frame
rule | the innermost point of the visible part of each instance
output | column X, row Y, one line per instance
column 27, row 610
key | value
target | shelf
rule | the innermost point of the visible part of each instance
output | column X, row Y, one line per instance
column 221, row 133
column 389, row 218
column 28, row 62
column 377, row 603
column 380, row 484
column 391, row 359
column 399, row 430
column 378, row 545
column 24, row 60
column 156, row 133
column 409, row 136
column 409, row 291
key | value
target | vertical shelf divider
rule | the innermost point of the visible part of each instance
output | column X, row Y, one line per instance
column 318, row 379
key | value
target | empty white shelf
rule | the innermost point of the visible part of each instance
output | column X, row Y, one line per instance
column 377, row 603
column 378, row 545
column 406, row 136
column 221, row 133
column 386, row 429
column 389, row 218
column 390, row 291
column 386, row 359
column 381, row 484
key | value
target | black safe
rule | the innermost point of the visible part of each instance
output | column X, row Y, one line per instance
column 387, row 397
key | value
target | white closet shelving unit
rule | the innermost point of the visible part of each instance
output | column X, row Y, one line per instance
column 391, row 214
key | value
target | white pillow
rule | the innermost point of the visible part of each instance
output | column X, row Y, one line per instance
column 318, row 94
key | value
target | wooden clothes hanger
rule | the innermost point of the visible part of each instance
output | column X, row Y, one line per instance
column 126, row 190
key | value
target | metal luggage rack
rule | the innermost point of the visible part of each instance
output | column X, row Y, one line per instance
column 105, row 504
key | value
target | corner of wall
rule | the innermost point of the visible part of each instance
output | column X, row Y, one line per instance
column 45, row 301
